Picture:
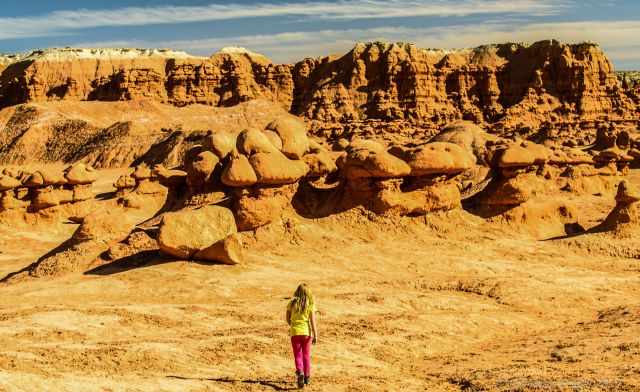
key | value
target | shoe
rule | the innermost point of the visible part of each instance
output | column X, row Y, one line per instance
column 300, row 379
column 307, row 380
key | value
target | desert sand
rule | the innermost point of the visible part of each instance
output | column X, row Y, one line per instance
column 465, row 223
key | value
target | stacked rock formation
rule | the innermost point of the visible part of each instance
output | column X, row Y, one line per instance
column 507, row 86
column 624, row 220
column 46, row 188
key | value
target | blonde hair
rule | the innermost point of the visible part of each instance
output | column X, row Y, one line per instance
column 302, row 298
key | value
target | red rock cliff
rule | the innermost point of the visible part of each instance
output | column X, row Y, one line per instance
column 510, row 85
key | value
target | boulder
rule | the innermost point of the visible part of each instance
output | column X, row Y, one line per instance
column 80, row 174
column 8, row 183
column 186, row 232
column 275, row 169
column 45, row 177
column 169, row 177
column 200, row 167
column 293, row 133
column 227, row 251
column 320, row 164
column 82, row 192
column 125, row 181
column 8, row 201
column 253, row 141
column 48, row 197
column 467, row 135
column 274, row 138
column 220, row 143
column 523, row 154
column 238, row 172
column 439, row 158
column 369, row 163
column 142, row 172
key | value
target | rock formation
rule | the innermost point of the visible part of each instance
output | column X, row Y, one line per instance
column 509, row 87
column 45, row 188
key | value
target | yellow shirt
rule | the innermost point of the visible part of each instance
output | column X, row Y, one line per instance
column 299, row 321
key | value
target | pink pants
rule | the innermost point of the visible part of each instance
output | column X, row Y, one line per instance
column 301, row 345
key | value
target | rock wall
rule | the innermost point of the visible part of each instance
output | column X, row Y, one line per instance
column 506, row 86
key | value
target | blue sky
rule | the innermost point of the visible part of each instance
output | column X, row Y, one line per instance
column 290, row 30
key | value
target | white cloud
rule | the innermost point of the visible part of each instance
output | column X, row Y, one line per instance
column 63, row 22
column 618, row 38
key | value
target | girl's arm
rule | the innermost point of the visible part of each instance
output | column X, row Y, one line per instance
column 314, row 327
column 288, row 315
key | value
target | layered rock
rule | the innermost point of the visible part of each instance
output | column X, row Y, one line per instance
column 508, row 86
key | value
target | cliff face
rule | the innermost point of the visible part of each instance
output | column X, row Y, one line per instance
column 491, row 83
column 507, row 85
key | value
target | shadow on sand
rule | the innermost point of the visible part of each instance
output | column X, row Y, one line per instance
column 276, row 385
column 144, row 259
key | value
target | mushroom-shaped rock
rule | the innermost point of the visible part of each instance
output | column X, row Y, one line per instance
column 220, row 143
column 34, row 180
column 276, row 169
column 320, row 163
column 252, row 141
column 186, row 232
column 626, row 193
column 367, row 163
column 169, row 177
column 125, row 181
column 467, row 135
column 80, row 174
column 238, row 172
column 82, row 193
column 48, row 197
column 8, row 201
column 524, row 154
column 293, row 133
column 8, row 183
column 439, row 158
column 274, row 138
column 200, row 167
column 142, row 172
column 613, row 154
column 227, row 251
column 569, row 156
column 364, row 144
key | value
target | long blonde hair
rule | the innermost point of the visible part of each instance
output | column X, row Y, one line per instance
column 302, row 298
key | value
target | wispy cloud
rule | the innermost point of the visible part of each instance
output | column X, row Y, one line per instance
column 618, row 38
column 63, row 22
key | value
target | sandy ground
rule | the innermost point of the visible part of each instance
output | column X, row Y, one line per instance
column 442, row 303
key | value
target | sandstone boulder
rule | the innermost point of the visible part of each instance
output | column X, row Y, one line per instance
column 184, row 233
column 439, row 158
column 252, row 141
column 80, row 174
column 467, row 135
column 523, row 154
column 238, row 172
column 8, row 183
column 220, row 143
column 293, row 133
column 142, row 172
column 275, row 169
column 200, row 167
column 125, row 181
column 369, row 163
column 48, row 197
column 274, row 138
column 227, row 251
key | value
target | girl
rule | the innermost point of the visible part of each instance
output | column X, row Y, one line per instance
column 300, row 313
